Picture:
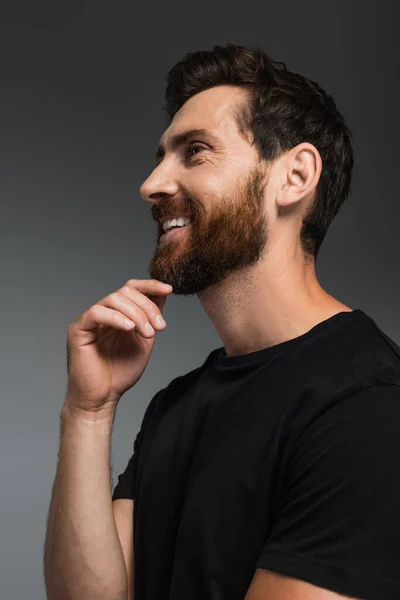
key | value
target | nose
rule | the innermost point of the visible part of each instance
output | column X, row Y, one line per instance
column 159, row 184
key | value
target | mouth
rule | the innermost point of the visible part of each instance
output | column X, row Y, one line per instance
column 174, row 232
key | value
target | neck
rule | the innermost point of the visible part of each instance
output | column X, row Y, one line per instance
column 267, row 304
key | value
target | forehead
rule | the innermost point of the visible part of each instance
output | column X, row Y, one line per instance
column 210, row 110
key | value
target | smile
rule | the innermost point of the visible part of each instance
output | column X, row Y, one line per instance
column 174, row 233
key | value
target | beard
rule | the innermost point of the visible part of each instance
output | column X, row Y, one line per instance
column 232, row 237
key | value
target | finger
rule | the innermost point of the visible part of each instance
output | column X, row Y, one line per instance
column 101, row 315
column 138, row 306
column 130, row 310
column 151, row 305
column 146, row 286
column 159, row 301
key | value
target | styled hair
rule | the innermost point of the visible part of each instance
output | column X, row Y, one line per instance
column 282, row 109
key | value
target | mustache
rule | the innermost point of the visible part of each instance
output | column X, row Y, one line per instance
column 170, row 207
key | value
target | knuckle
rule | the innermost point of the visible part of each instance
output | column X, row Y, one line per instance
column 130, row 283
column 94, row 310
column 113, row 297
column 126, row 290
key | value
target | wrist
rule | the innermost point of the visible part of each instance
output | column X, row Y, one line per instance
column 71, row 412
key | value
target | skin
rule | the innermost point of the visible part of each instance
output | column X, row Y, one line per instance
column 241, row 255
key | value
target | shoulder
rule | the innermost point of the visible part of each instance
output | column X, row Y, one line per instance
column 361, row 415
column 353, row 442
column 340, row 495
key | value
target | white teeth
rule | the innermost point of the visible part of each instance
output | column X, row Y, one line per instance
column 181, row 222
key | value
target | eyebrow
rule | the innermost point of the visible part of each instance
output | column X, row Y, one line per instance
column 182, row 138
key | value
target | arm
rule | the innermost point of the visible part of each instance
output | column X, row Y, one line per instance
column 123, row 514
column 83, row 554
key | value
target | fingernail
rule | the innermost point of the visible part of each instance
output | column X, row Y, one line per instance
column 149, row 328
column 160, row 320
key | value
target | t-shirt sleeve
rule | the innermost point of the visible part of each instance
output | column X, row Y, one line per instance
column 125, row 487
column 338, row 519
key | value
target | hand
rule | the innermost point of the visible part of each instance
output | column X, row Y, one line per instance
column 106, row 356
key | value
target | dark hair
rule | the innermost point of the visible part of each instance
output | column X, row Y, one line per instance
column 282, row 110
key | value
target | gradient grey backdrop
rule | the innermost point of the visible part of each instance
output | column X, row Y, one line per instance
column 81, row 96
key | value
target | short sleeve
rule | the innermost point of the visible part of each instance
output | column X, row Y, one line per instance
column 125, row 487
column 338, row 522
column 126, row 481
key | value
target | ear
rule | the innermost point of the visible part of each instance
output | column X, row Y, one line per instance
column 302, row 168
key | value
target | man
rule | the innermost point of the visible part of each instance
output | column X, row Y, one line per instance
column 270, row 472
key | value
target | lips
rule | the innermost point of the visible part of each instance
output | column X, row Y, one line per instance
column 175, row 232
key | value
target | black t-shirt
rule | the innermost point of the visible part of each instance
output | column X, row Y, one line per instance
column 286, row 458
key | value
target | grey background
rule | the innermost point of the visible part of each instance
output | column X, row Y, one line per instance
column 81, row 96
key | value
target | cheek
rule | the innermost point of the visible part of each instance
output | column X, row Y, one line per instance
column 203, row 189
column 206, row 184
column 219, row 185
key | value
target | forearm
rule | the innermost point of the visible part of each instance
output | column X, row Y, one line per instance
column 83, row 555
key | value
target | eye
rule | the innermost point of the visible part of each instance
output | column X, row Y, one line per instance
column 193, row 147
